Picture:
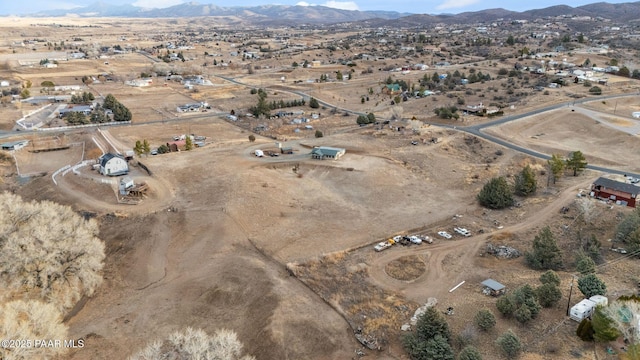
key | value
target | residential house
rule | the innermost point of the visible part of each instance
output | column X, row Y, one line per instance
column 325, row 152
column 113, row 165
column 620, row 192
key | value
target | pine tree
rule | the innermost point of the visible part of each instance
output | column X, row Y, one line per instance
column 591, row 285
column 546, row 253
column 525, row 182
column 138, row 149
column 577, row 162
column 146, row 148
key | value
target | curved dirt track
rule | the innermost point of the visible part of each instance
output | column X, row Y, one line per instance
column 446, row 260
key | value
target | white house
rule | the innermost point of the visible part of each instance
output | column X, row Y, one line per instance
column 113, row 165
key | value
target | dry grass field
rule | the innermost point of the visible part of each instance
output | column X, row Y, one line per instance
column 280, row 249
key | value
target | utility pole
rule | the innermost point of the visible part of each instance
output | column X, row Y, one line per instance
column 570, row 291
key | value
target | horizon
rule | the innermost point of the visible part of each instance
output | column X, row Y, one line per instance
column 400, row 6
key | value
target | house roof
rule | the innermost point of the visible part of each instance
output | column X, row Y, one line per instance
column 104, row 159
column 493, row 285
column 327, row 151
column 617, row 185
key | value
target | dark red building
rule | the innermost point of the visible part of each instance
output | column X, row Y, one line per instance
column 607, row 189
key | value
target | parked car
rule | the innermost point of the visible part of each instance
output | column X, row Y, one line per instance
column 426, row 239
column 462, row 231
column 415, row 239
column 444, row 234
column 154, row 151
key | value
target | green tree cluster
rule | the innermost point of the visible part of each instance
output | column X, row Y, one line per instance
column 370, row 118
column 313, row 103
column 549, row 293
column 85, row 98
column 522, row 304
column 556, row 166
column 628, row 232
column 120, row 112
column 430, row 341
column 447, row 112
column 496, row 194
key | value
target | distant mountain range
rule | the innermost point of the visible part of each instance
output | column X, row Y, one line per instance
column 297, row 15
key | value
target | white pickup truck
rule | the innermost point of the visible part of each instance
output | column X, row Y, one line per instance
column 384, row 245
column 462, row 231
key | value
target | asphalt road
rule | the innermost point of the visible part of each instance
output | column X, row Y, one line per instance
column 476, row 130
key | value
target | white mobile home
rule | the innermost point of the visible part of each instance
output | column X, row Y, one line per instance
column 582, row 310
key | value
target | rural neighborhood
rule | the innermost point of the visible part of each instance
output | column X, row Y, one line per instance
column 306, row 182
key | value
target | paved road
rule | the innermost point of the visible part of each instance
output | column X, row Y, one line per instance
column 477, row 131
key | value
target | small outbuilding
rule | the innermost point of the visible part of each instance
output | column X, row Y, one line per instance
column 493, row 288
column 14, row 145
column 113, row 165
column 325, row 152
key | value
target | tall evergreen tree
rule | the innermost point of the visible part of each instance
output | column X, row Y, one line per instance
column 546, row 253
column 525, row 182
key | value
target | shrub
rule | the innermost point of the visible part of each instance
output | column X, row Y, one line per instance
column 469, row 353
column 585, row 265
column 195, row 344
column 496, row 194
column 596, row 90
column 252, row 138
column 509, row 344
column 48, row 251
column 548, row 295
column 525, row 182
column 591, row 285
column 523, row 314
column 313, row 103
column 485, row 320
column 550, row 277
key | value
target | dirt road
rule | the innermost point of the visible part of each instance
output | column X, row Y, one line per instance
column 448, row 261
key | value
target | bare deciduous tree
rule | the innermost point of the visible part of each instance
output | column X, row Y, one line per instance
column 195, row 344
column 29, row 321
column 47, row 251
column 396, row 112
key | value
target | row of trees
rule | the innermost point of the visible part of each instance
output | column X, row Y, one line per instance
column 120, row 112
column 85, row 98
column 263, row 108
column 497, row 193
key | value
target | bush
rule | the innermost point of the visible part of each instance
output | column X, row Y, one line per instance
column 591, row 285
column 252, row 138
column 313, row 103
column 496, row 194
column 550, row 277
column 319, row 134
column 195, row 344
column 510, row 344
column 505, row 305
column 548, row 295
column 523, row 314
column 596, row 90
column 48, row 251
column 485, row 320
column 469, row 353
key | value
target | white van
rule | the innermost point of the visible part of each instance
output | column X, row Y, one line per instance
column 259, row 153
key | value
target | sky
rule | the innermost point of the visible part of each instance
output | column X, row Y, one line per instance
column 13, row 7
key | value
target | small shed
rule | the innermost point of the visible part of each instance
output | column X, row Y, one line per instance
column 493, row 288
column 14, row 145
